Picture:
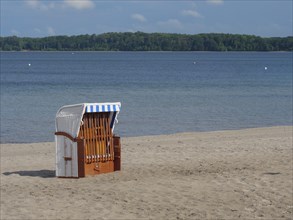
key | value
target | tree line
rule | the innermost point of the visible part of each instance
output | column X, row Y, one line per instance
column 140, row 41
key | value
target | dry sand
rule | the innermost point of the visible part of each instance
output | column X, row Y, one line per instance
column 244, row 174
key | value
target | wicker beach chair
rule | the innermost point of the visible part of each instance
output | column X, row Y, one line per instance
column 85, row 142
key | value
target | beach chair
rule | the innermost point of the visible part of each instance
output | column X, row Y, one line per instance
column 85, row 143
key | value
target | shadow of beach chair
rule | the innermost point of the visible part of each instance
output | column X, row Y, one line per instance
column 33, row 173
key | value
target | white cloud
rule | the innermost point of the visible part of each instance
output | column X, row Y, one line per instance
column 36, row 4
column 138, row 17
column 32, row 3
column 80, row 4
column 171, row 23
column 51, row 31
column 192, row 13
column 215, row 2
column 51, row 4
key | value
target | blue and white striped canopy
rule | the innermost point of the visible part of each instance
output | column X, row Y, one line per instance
column 102, row 107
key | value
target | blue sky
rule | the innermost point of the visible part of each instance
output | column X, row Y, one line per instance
column 38, row 18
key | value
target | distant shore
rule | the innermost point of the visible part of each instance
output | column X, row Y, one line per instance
column 235, row 174
column 140, row 41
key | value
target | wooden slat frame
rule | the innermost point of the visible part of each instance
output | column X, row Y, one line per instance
column 98, row 137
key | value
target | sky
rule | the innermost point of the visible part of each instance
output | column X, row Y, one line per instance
column 39, row 18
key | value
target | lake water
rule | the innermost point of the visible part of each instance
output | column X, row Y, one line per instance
column 160, row 92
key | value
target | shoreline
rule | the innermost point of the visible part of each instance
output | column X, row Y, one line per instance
column 177, row 133
column 230, row 174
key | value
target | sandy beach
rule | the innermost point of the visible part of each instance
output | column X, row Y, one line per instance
column 239, row 174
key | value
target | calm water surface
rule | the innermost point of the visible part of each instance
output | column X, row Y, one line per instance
column 160, row 92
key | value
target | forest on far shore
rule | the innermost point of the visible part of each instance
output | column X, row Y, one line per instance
column 140, row 41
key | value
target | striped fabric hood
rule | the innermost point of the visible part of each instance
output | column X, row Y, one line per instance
column 69, row 117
